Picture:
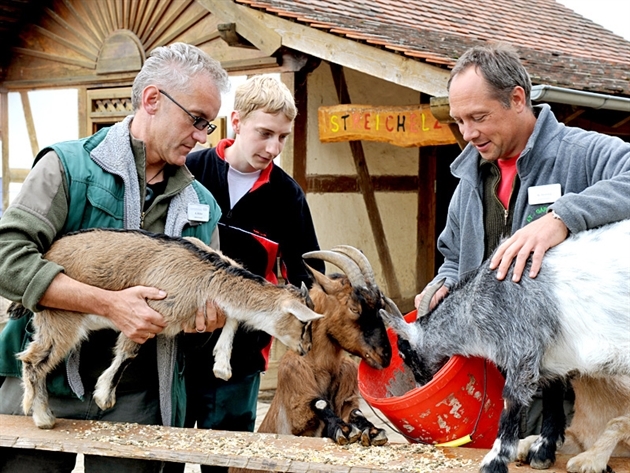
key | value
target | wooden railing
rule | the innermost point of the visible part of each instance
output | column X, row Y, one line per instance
column 267, row 452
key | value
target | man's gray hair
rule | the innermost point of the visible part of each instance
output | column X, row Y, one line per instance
column 500, row 66
column 171, row 68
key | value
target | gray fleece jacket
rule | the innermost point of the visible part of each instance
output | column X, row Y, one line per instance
column 592, row 169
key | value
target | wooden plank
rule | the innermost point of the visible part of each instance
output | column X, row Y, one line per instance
column 249, row 23
column 64, row 42
column 267, row 452
column 18, row 175
column 94, row 20
column 110, row 21
column 287, row 157
column 4, row 135
column 82, row 112
column 167, row 22
column 183, row 27
column 325, row 183
column 425, row 233
column 156, row 19
column 249, row 63
column 134, row 16
column 261, row 28
column 55, row 58
column 300, row 129
column 30, row 123
column 67, row 27
column 147, row 13
column 92, row 80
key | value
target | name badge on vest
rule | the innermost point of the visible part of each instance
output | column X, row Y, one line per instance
column 544, row 194
column 198, row 212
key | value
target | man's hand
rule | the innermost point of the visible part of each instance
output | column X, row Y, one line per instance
column 129, row 311
column 536, row 238
column 437, row 297
column 208, row 319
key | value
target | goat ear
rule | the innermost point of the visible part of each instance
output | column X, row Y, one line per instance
column 323, row 281
column 307, row 296
column 304, row 314
column 392, row 321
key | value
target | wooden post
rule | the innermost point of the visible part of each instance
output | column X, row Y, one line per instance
column 4, row 134
column 300, row 128
column 30, row 123
column 425, row 256
column 369, row 197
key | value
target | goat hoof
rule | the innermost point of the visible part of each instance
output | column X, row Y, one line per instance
column 45, row 420
column 524, row 446
column 354, row 435
column 340, row 438
column 585, row 462
column 542, row 454
column 378, row 437
column 224, row 374
column 365, row 438
column 541, row 465
column 104, row 400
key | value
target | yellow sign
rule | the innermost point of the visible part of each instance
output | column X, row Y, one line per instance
column 405, row 126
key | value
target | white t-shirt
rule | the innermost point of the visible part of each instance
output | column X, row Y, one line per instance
column 240, row 183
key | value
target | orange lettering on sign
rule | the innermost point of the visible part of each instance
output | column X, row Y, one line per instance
column 405, row 126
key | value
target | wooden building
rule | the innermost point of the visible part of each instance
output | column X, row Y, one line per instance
column 383, row 65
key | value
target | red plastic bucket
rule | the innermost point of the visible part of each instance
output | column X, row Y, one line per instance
column 463, row 399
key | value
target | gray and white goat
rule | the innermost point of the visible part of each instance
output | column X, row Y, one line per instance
column 189, row 271
column 573, row 318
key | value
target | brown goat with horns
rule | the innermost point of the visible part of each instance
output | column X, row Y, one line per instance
column 317, row 394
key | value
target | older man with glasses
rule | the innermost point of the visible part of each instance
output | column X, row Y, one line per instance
column 198, row 122
column 131, row 175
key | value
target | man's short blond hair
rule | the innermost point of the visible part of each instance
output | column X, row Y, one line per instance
column 264, row 93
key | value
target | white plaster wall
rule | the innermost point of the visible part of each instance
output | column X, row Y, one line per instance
column 342, row 218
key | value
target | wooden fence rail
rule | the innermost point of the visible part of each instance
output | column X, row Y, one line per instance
column 266, row 452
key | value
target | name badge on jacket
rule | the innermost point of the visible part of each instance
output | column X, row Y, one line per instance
column 544, row 194
column 198, row 212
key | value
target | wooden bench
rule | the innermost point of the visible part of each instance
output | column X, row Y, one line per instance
column 267, row 452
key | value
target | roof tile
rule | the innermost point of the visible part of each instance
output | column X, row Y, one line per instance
column 557, row 45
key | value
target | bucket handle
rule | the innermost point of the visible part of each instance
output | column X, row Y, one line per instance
column 457, row 442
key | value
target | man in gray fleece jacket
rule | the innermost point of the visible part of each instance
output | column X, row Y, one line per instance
column 523, row 176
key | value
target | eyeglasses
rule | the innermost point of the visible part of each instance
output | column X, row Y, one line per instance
column 198, row 122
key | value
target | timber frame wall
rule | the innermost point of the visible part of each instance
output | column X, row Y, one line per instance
column 98, row 47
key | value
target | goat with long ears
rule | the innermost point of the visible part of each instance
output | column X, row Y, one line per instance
column 573, row 318
column 189, row 271
column 317, row 395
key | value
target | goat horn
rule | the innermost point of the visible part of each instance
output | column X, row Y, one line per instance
column 425, row 303
column 360, row 259
column 343, row 262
